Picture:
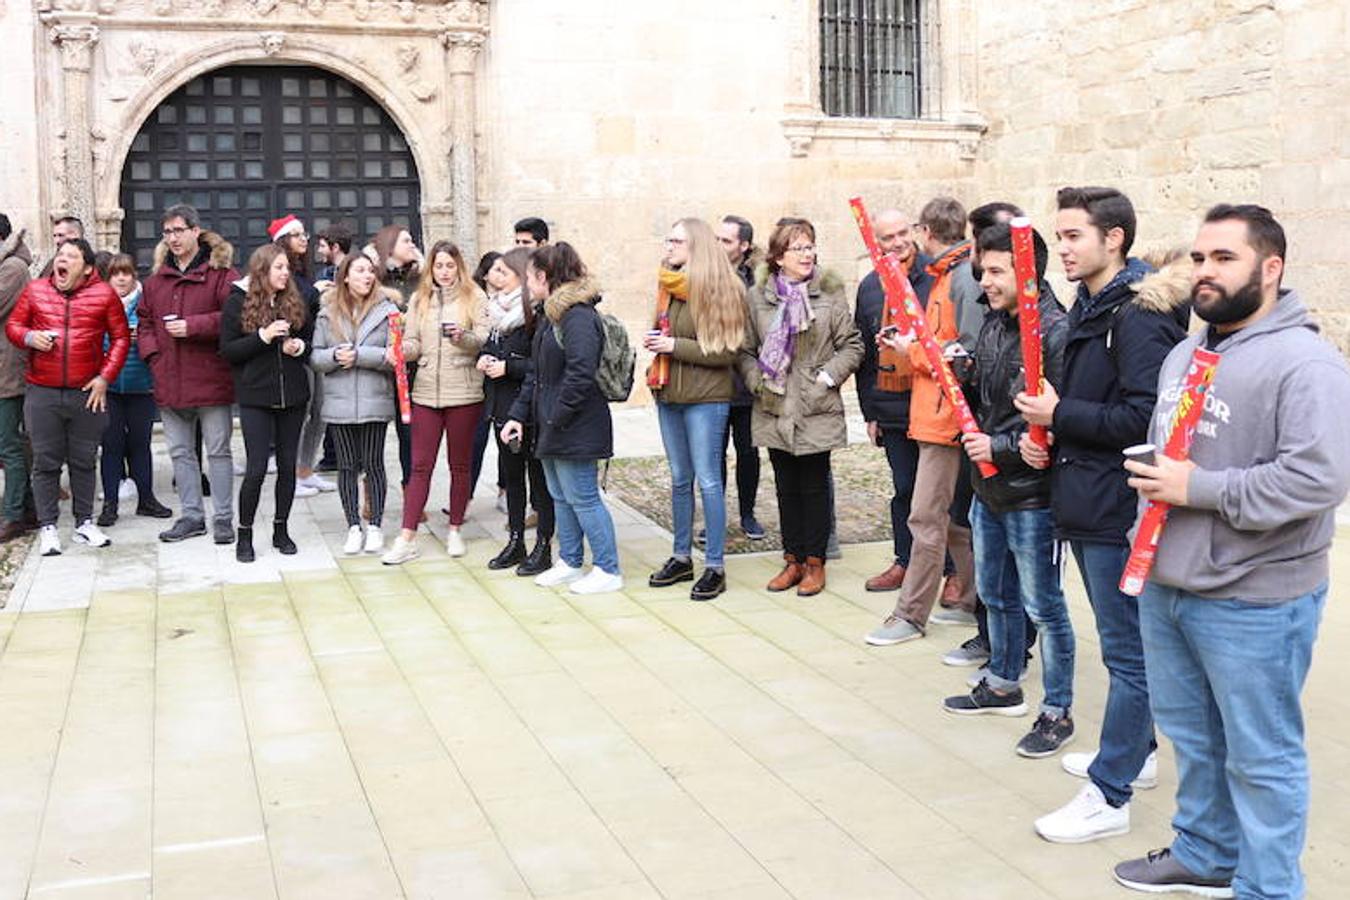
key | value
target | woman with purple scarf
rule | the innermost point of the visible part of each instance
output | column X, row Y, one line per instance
column 801, row 345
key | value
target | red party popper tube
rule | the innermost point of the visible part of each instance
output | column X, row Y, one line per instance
column 400, row 367
column 906, row 309
column 1144, row 550
column 1028, row 314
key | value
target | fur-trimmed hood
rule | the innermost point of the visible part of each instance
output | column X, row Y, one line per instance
column 823, row 280
column 222, row 251
column 1167, row 288
column 14, row 246
column 583, row 290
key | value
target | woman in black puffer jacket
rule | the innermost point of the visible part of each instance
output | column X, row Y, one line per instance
column 506, row 361
column 265, row 336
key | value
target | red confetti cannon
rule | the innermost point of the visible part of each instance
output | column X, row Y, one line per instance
column 400, row 368
column 1028, row 315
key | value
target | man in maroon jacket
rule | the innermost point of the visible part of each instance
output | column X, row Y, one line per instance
column 178, row 337
column 63, row 321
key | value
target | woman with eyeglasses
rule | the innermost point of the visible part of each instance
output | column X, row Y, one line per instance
column 800, row 348
column 700, row 326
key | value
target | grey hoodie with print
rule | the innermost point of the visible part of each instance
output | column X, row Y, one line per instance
column 1272, row 456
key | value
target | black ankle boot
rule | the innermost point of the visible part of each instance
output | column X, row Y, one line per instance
column 108, row 517
column 539, row 560
column 512, row 553
column 282, row 540
column 243, row 545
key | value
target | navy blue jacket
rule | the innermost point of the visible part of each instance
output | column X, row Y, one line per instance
column 559, row 397
column 888, row 409
column 1116, row 344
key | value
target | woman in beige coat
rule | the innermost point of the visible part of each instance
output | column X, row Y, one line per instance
column 800, row 347
column 447, row 324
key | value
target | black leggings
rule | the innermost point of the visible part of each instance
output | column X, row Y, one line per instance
column 516, row 468
column 803, row 486
column 264, row 430
column 126, row 445
column 360, row 448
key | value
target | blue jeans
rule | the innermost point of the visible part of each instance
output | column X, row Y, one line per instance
column 579, row 512
column 1127, row 725
column 692, row 434
column 1225, row 677
column 1016, row 575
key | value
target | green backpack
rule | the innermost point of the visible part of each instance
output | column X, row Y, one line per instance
column 618, row 359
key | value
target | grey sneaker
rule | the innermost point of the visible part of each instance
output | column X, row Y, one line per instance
column 894, row 630
column 222, row 531
column 974, row 652
column 952, row 615
column 1046, row 737
column 182, row 530
column 1160, row 873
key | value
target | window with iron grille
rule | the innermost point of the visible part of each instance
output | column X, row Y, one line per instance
column 871, row 59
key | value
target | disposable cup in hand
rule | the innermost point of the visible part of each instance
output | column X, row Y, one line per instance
column 1142, row 453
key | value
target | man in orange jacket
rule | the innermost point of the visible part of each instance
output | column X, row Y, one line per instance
column 954, row 316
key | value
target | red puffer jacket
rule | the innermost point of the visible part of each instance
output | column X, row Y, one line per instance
column 80, row 320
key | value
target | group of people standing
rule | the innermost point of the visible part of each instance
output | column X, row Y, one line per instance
column 757, row 347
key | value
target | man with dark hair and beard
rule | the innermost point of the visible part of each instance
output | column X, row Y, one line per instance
column 1231, row 609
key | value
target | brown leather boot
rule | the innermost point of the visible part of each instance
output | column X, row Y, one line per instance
column 952, row 590
column 813, row 577
column 789, row 577
column 890, row 580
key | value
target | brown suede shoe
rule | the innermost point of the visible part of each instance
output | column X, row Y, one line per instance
column 952, row 589
column 813, row 577
column 11, row 530
column 789, row 577
column 890, row 580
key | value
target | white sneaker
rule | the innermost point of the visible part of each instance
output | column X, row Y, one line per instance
column 401, row 552
column 88, row 533
column 316, row 481
column 304, row 490
column 374, row 539
column 1086, row 817
column 561, row 573
column 126, row 490
column 454, row 543
column 356, row 541
column 1077, row 764
column 597, row 581
column 49, row 540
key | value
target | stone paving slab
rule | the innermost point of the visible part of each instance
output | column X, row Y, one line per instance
column 326, row 727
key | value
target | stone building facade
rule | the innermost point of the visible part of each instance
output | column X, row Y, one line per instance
column 610, row 120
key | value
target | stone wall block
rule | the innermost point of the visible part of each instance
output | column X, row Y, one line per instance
column 1236, row 149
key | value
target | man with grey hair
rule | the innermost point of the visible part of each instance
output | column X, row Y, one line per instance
column 179, row 336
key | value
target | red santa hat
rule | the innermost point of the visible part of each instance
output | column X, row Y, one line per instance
column 287, row 224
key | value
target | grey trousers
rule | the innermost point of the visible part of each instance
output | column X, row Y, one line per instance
column 63, row 432
column 311, row 436
column 180, row 433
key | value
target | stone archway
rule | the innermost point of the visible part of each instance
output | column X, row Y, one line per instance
column 244, row 144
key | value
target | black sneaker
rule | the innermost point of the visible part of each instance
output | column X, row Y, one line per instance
column 753, row 530
column 1160, row 873
column 222, row 531
column 1046, row 736
column 108, row 517
column 153, row 509
column 709, row 586
column 182, row 530
column 983, row 700
column 673, row 572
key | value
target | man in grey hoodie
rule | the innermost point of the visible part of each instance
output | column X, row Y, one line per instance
column 1231, row 610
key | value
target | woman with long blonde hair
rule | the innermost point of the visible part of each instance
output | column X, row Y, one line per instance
column 353, row 358
column 700, row 325
column 265, row 335
column 447, row 324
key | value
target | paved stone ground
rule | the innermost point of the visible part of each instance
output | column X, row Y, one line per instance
column 179, row 726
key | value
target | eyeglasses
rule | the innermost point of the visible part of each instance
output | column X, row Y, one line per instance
column 175, row 231
column 675, row 242
column 803, row 249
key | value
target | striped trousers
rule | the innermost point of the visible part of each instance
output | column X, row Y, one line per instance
column 360, row 449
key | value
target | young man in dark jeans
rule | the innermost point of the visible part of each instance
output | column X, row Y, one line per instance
column 1011, row 521
column 1230, row 612
column 1116, row 343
